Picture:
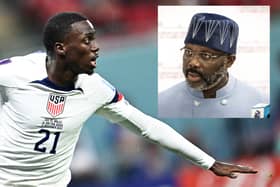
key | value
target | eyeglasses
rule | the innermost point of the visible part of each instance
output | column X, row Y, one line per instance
column 203, row 56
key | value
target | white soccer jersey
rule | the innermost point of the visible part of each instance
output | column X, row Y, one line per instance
column 40, row 123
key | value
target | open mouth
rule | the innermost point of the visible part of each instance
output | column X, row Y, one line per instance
column 193, row 76
column 93, row 64
column 93, row 61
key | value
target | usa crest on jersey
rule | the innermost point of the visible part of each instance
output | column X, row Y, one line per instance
column 55, row 105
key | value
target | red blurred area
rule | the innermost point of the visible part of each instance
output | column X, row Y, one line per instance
column 268, row 175
column 108, row 15
column 43, row 9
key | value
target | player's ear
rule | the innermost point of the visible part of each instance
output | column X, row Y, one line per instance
column 59, row 48
column 230, row 60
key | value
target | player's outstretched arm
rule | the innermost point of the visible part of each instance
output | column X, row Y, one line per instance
column 230, row 170
column 162, row 134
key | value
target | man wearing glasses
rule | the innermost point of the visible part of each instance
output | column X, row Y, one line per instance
column 209, row 90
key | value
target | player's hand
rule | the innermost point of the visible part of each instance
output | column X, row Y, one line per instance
column 230, row 170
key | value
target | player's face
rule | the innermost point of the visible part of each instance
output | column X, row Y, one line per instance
column 81, row 49
column 203, row 67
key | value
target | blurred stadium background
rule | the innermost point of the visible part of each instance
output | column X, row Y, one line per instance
column 109, row 156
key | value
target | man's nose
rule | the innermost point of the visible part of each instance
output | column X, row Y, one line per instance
column 194, row 62
column 94, row 46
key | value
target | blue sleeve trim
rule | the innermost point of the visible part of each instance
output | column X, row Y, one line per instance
column 5, row 61
column 116, row 97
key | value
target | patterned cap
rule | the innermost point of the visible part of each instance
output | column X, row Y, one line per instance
column 214, row 31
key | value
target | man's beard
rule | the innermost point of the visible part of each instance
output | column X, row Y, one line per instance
column 208, row 81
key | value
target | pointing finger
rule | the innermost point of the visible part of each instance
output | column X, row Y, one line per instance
column 243, row 169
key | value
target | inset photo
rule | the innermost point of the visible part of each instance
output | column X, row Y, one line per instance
column 213, row 61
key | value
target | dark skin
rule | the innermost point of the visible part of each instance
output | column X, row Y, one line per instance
column 205, row 68
column 230, row 170
column 77, row 54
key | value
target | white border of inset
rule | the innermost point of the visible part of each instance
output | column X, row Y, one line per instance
column 252, row 62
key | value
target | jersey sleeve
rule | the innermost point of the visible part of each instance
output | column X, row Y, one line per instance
column 15, row 70
column 6, row 71
column 98, row 89
column 2, row 96
column 123, row 113
column 109, row 91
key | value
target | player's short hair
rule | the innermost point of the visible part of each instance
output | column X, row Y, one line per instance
column 57, row 27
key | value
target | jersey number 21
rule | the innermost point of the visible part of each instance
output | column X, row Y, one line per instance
column 40, row 148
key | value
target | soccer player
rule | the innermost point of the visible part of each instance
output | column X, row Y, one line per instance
column 45, row 106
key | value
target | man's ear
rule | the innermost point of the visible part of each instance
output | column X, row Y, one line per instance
column 59, row 48
column 230, row 60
